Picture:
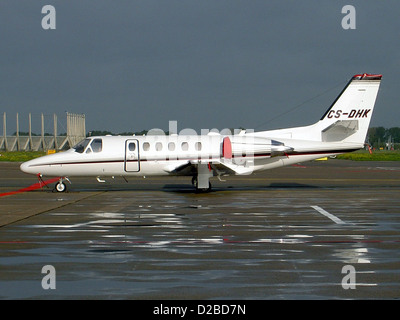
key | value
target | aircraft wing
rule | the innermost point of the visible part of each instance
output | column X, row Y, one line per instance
column 229, row 168
column 184, row 168
column 225, row 166
column 188, row 168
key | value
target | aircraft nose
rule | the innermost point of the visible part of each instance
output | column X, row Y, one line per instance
column 26, row 167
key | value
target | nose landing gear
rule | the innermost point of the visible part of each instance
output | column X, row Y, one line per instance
column 60, row 185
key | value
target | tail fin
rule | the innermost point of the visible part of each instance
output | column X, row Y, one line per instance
column 349, row 116
column 346, row 120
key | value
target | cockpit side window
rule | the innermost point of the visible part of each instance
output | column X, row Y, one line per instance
column 81, row 146
column 96, row 145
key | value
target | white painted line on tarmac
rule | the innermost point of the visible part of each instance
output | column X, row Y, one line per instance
column 328, row 215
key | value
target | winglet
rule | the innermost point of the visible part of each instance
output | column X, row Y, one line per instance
column 366, row 76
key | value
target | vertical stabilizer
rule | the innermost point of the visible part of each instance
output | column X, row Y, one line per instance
column 349, row 116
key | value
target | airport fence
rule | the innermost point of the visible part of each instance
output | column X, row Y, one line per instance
column 30, row 141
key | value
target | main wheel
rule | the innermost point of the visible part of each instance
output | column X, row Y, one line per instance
column 203, row 189
column 60, row 187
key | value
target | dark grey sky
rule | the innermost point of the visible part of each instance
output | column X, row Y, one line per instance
column 133, row 65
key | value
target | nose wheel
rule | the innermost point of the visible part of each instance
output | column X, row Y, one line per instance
column 61, row 186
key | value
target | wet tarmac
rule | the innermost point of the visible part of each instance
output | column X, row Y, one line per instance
column 289, row 233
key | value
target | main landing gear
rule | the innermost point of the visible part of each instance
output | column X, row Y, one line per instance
column 202, row 180
column 199, row 189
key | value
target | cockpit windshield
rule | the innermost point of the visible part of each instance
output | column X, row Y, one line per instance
column 96, row 145
column 81, row 146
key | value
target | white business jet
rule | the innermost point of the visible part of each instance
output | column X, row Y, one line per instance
column 342, row 128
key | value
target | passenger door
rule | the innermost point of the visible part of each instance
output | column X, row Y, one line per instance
column 132, row 160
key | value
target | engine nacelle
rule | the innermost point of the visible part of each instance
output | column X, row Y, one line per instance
column 250, row 146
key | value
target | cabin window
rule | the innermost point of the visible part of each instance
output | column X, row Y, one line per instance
column 81, row 146
column 146, row 146
column 171, row 146
column 97, row 145
column 158, row 146
column 197, row 146
column 185, row 146
column 132, row 146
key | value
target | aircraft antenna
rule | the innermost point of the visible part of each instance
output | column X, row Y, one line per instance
column 301, row 104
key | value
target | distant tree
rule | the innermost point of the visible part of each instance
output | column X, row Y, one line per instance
column 98, row 133
column 394, row 133
column 104, row 133
column 376, row 135
column 126, row 133
column 22, row 133
column 129, row 133
column 141, row 132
